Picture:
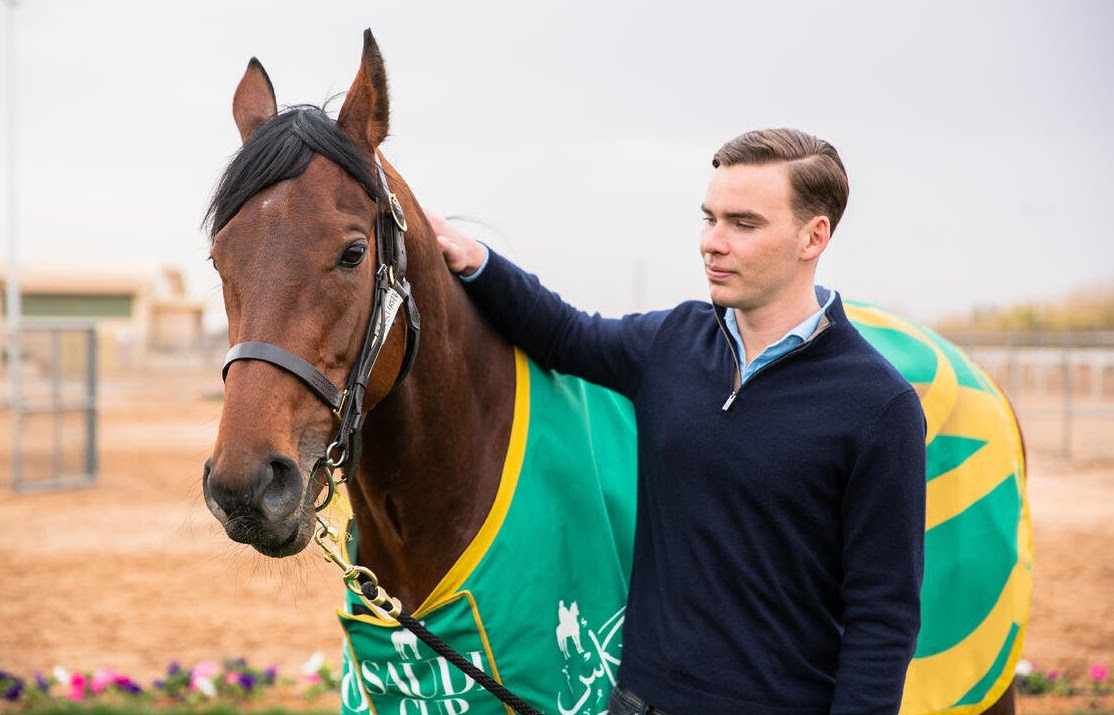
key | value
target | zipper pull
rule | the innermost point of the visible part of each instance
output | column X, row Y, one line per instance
column 730, row 399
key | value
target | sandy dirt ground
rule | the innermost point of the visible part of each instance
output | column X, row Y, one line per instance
column 133, row 572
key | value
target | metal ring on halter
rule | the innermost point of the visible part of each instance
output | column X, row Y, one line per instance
column 327, row 531
column 329, row 484
column 339, row 461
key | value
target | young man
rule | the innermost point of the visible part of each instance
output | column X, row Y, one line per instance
column 781, row 499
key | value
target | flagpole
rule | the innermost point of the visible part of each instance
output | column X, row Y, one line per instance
column 9, row 209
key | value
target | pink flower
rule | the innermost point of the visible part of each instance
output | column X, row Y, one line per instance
column 102, row 678
column 232, row 678
column 312, row 678
column 1098, row 672
column 1053, row 675
column 77, row 687
column 202, row 677
column 206, row 669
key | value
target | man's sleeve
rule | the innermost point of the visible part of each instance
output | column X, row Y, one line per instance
column 883, row 562
column 606, row 351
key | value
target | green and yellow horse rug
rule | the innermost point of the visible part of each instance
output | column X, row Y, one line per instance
column 978, row 576
column 535, row 601
column 538, row 602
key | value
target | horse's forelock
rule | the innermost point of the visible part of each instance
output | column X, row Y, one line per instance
column 282, row 149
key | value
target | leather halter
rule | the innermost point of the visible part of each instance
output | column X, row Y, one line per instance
column 392, row 291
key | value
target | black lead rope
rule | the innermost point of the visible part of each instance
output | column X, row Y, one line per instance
column 443, row 649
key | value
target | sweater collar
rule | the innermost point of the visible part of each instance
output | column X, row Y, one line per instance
column 827, row 297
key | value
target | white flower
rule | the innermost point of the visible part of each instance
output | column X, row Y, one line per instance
column 1024, row 668
column 314, row 664
column 61, row 675
column 205, row 685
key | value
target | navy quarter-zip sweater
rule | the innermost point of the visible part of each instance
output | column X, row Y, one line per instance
column 779, row 543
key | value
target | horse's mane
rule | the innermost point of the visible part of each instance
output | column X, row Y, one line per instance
column 281, row 149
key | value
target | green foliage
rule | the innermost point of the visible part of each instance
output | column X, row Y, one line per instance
column 1040, row 683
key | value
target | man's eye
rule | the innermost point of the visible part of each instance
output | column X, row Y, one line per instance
column 353, row 255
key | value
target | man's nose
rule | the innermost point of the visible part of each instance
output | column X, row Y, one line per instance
column 711, row 240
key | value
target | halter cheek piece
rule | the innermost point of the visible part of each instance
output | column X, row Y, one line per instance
column 392, row 292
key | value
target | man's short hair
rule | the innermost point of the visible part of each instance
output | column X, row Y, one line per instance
column 816, row 173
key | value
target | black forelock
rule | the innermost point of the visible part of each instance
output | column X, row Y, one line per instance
column 281, row 149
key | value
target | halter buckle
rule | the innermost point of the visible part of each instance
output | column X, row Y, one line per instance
column 339, row 411
column 396, row 211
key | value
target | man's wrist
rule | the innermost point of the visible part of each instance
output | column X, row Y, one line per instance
column 468, row 278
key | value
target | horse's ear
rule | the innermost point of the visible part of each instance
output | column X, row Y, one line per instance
column 364, row 115
column 254, row 102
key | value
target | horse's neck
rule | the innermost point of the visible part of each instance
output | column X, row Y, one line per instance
column 434, row 449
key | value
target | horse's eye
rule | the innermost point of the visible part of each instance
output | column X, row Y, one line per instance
column 353, row 255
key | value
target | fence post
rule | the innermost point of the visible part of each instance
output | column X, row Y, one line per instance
column 1065, row 447
column 1012, row 387
column 15, row 403
column 91, row 396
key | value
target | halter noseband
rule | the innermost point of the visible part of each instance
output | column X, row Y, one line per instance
column 392, row 292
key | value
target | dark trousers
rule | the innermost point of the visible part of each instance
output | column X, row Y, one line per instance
column 624, row 702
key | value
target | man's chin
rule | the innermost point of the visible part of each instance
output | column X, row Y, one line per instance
column 721, row 295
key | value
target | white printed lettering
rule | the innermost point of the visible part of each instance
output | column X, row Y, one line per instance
column 351, row 694
column 373, row 681
column 447, row 671
column 454, row 706
column 419, row 707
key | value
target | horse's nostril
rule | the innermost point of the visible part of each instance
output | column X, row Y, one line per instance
column 273, row 493
column 261, row 484
column 212, row 496
column 278, row 487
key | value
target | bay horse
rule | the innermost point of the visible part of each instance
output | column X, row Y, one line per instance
column 325, row 256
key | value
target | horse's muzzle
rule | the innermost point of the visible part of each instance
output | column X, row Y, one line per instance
column 265, row 509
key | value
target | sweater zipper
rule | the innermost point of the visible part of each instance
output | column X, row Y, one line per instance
column 730, row 345
column 734, row 356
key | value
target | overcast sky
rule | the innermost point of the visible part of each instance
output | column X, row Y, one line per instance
column 977, row 135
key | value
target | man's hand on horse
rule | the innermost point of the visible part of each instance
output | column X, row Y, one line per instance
column 463, row 255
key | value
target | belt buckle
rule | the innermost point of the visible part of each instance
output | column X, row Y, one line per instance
column 643, row 707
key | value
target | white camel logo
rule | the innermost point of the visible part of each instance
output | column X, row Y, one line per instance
column 404, row 641
column 568, row 626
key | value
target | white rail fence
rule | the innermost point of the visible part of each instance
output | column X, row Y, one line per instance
column 48, row 414
column 1061, row 384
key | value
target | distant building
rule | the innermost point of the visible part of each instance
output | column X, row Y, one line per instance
column 136, row 314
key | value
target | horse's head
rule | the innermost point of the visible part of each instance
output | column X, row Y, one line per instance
column 297, row 224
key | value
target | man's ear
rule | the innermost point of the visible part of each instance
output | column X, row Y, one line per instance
column 815, row 236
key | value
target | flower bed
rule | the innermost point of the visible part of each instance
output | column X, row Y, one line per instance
column 237, row 682
column 1032, row 680
column 1053, row 691
column 207, row 682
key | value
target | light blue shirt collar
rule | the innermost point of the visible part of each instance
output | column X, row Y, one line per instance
column 797, row 336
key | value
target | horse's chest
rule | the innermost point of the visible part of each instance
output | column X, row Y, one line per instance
column 540, row 596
